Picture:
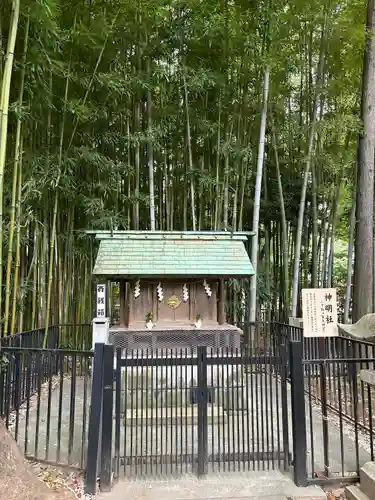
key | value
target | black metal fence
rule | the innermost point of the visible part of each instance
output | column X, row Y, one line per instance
column 191, row 410
column 333, row 420
column 57, row 337
column 266, row 337
column 33, row 339
column 44, row 400
column 188, row 411
column 329, row 372
column 340, row 389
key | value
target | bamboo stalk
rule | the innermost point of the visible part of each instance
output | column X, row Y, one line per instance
column 4, row 106
column 284, row 237
column 258, row 185
column 310, row 149
column 55, row 206
column 150, row 155
column 217, row 186
column 17, row 156
column 18, row 242
column 190, row 155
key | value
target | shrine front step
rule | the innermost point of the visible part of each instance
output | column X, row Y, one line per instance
column 172, row 417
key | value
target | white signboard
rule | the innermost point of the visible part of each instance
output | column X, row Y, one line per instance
column 100, row 301
column 319, row 312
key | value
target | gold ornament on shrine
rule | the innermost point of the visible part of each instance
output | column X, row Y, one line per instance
column 174, row 301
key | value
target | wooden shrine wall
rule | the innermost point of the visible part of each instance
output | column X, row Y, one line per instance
column 198, row 302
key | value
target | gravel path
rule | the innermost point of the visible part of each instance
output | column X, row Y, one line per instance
column 43, row 438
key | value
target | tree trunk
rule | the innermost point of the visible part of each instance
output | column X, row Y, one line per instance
column 364, row 257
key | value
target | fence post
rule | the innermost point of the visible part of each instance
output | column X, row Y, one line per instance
column 95, row 421
column 298, row 413
column 202, row 410
column 107, row 417
column 17, row 391
column 323, row 399
column 3, row 361
column 354, row 383
column 284, row 402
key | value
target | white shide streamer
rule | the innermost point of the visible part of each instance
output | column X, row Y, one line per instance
column 207, row 288
column 159, row 291
column 137, row 289
column 185, row 293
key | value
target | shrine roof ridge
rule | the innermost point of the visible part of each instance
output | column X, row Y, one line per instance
column 170, row 235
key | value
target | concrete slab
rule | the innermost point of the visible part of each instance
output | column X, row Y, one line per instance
column 367, row 475
column 355, row 493
column 267, row 485
column 368, row 376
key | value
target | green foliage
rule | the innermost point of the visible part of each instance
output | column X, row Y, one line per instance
column 4, row 362
column 340, row 265
column 122, row 57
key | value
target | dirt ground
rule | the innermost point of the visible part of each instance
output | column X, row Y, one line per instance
column 335, row 493
column 18, row 481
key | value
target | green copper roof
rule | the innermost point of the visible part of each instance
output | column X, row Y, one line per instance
column 157, row 254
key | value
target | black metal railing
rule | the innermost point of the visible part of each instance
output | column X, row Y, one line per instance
column 332, row 413
column 336, row 396
column 44, row 401
column 315, row 347
column 338, row 385
column 58, row 337
column 33, row 339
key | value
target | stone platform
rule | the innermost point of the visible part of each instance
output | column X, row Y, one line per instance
column 243, row 485
column 176, row 336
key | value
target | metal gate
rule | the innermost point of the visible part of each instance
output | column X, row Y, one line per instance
column 199, row 410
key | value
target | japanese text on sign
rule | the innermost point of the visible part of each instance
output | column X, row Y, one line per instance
column 100, row 301
column 319, row 311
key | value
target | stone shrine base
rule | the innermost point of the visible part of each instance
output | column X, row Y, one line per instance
column 172, row 335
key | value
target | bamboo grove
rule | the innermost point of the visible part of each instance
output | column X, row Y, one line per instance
column 176, row 115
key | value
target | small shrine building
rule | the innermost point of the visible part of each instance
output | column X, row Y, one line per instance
column 171, row 287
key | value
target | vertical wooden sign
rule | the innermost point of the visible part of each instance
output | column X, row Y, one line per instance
column 100, row 301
